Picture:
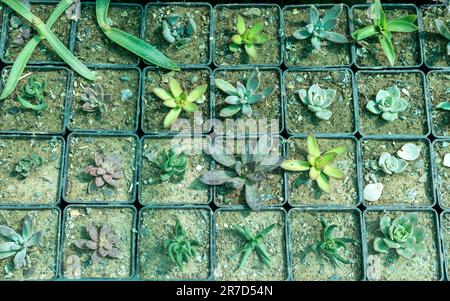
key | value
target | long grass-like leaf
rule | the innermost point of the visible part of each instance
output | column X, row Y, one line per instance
column 24, row 56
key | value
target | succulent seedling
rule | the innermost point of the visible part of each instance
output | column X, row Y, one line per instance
column 318, row 164
column 388, row 103
column 390, row 164
column 248, row 37
column 26, row 165
column 177, row 100
column 94, row 99
column 402, row 235
column 253, row 242
column 241, row 98
column 102, row 242
column 318, row 100
column 32, row 95
column 172, row 165
column 330, row 247
column 23, row 32
column 321, row 28
column 180, row 249
column 249, row 171
column 17, row 245
column 443, row 30
column 107, row 170
column 382, row 28
column 177, row 31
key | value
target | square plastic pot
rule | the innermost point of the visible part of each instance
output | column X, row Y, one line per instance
column 172, row 203
column 137, row 96
column 68, row 91
column 386, row 7
column 301, row 106
column 131, row 198
column 132, row 249
column 248, row 69
column 432, row 105
column 186, row 207
column 304, row 8
column 243, row 6
column 152, row 5
column 437, row 187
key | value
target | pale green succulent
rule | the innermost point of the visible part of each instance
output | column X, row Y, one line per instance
column 248, row 37
column 444, row 31
column 320, row 28
column 390, row 164
column 445, row 105
column 242, row 97
column 402, row 235
column 318, row 100
column 388, row 103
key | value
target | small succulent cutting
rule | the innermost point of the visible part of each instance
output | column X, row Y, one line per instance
column 249, row 171
column 388, row 103
column 321, row 28
column 94, row 99
column 26, row 165
column 32, row 95
column 444, row 31
column 390, row 164
column 107, row 170
column 254, row 242
column 241, row 98
column 402, row 235
column 180, row 249
column 102, row 242
column 177, row 100
column 248, row 37
column 382, row 28
column 17, row 245
column 177, row 31
column 318, row 164
column 318, row 100
column 330, row 247
column 172, row 165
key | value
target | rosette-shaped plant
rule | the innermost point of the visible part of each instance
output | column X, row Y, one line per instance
column 178, row 100
column 32, row 95
column 102, row 241
column 243, row 97
column 27, row 165
column 321, row 28
column 17, row 245
column 402, row 235
column 248, row 37
column 107, row 170
column 318, row 100
column 177, row 31
column 172, row 165
column 443, row 30
column 390, row 164
column 94, row 99
column 318, row 164
column 388, row 103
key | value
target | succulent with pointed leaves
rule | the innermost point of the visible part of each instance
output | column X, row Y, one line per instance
column 27, row 165
column 388, row 103
column 102, row 241
column 107, row 170
column 177, row 31
column 249, row 171
column 402, row 235
column 318, row 100
column 176, row 99
column 248, row 37
column 444, row 31
column 321, row 28
column 390, row 164
column 172, row 165
column 318, row 164
column 328, row 246
column 243, row 97
column 382, row 28
column 94, row 99
column 17, row 245
column 180, row 249
column 254, row 242
column 32, row 95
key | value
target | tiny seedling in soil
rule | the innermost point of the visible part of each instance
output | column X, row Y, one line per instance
column 439, row 93
column 98, row 242
column 28, row 244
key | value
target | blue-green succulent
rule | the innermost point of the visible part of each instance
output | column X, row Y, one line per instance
column 388, row 103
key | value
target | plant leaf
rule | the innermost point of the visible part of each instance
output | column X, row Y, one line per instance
column 401, row 26
column 217, row 177
column 240, row 25
column 324, row 160
column 365, row 32
column 388, row 48
column 171, row 117
column 323, row 183
column 230, row 110
column 252, row 197
column 197, row 93
column 312, row 146
column 295, row 165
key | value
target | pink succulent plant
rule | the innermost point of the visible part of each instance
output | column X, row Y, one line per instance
column 107, row 170
column 102, row 241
